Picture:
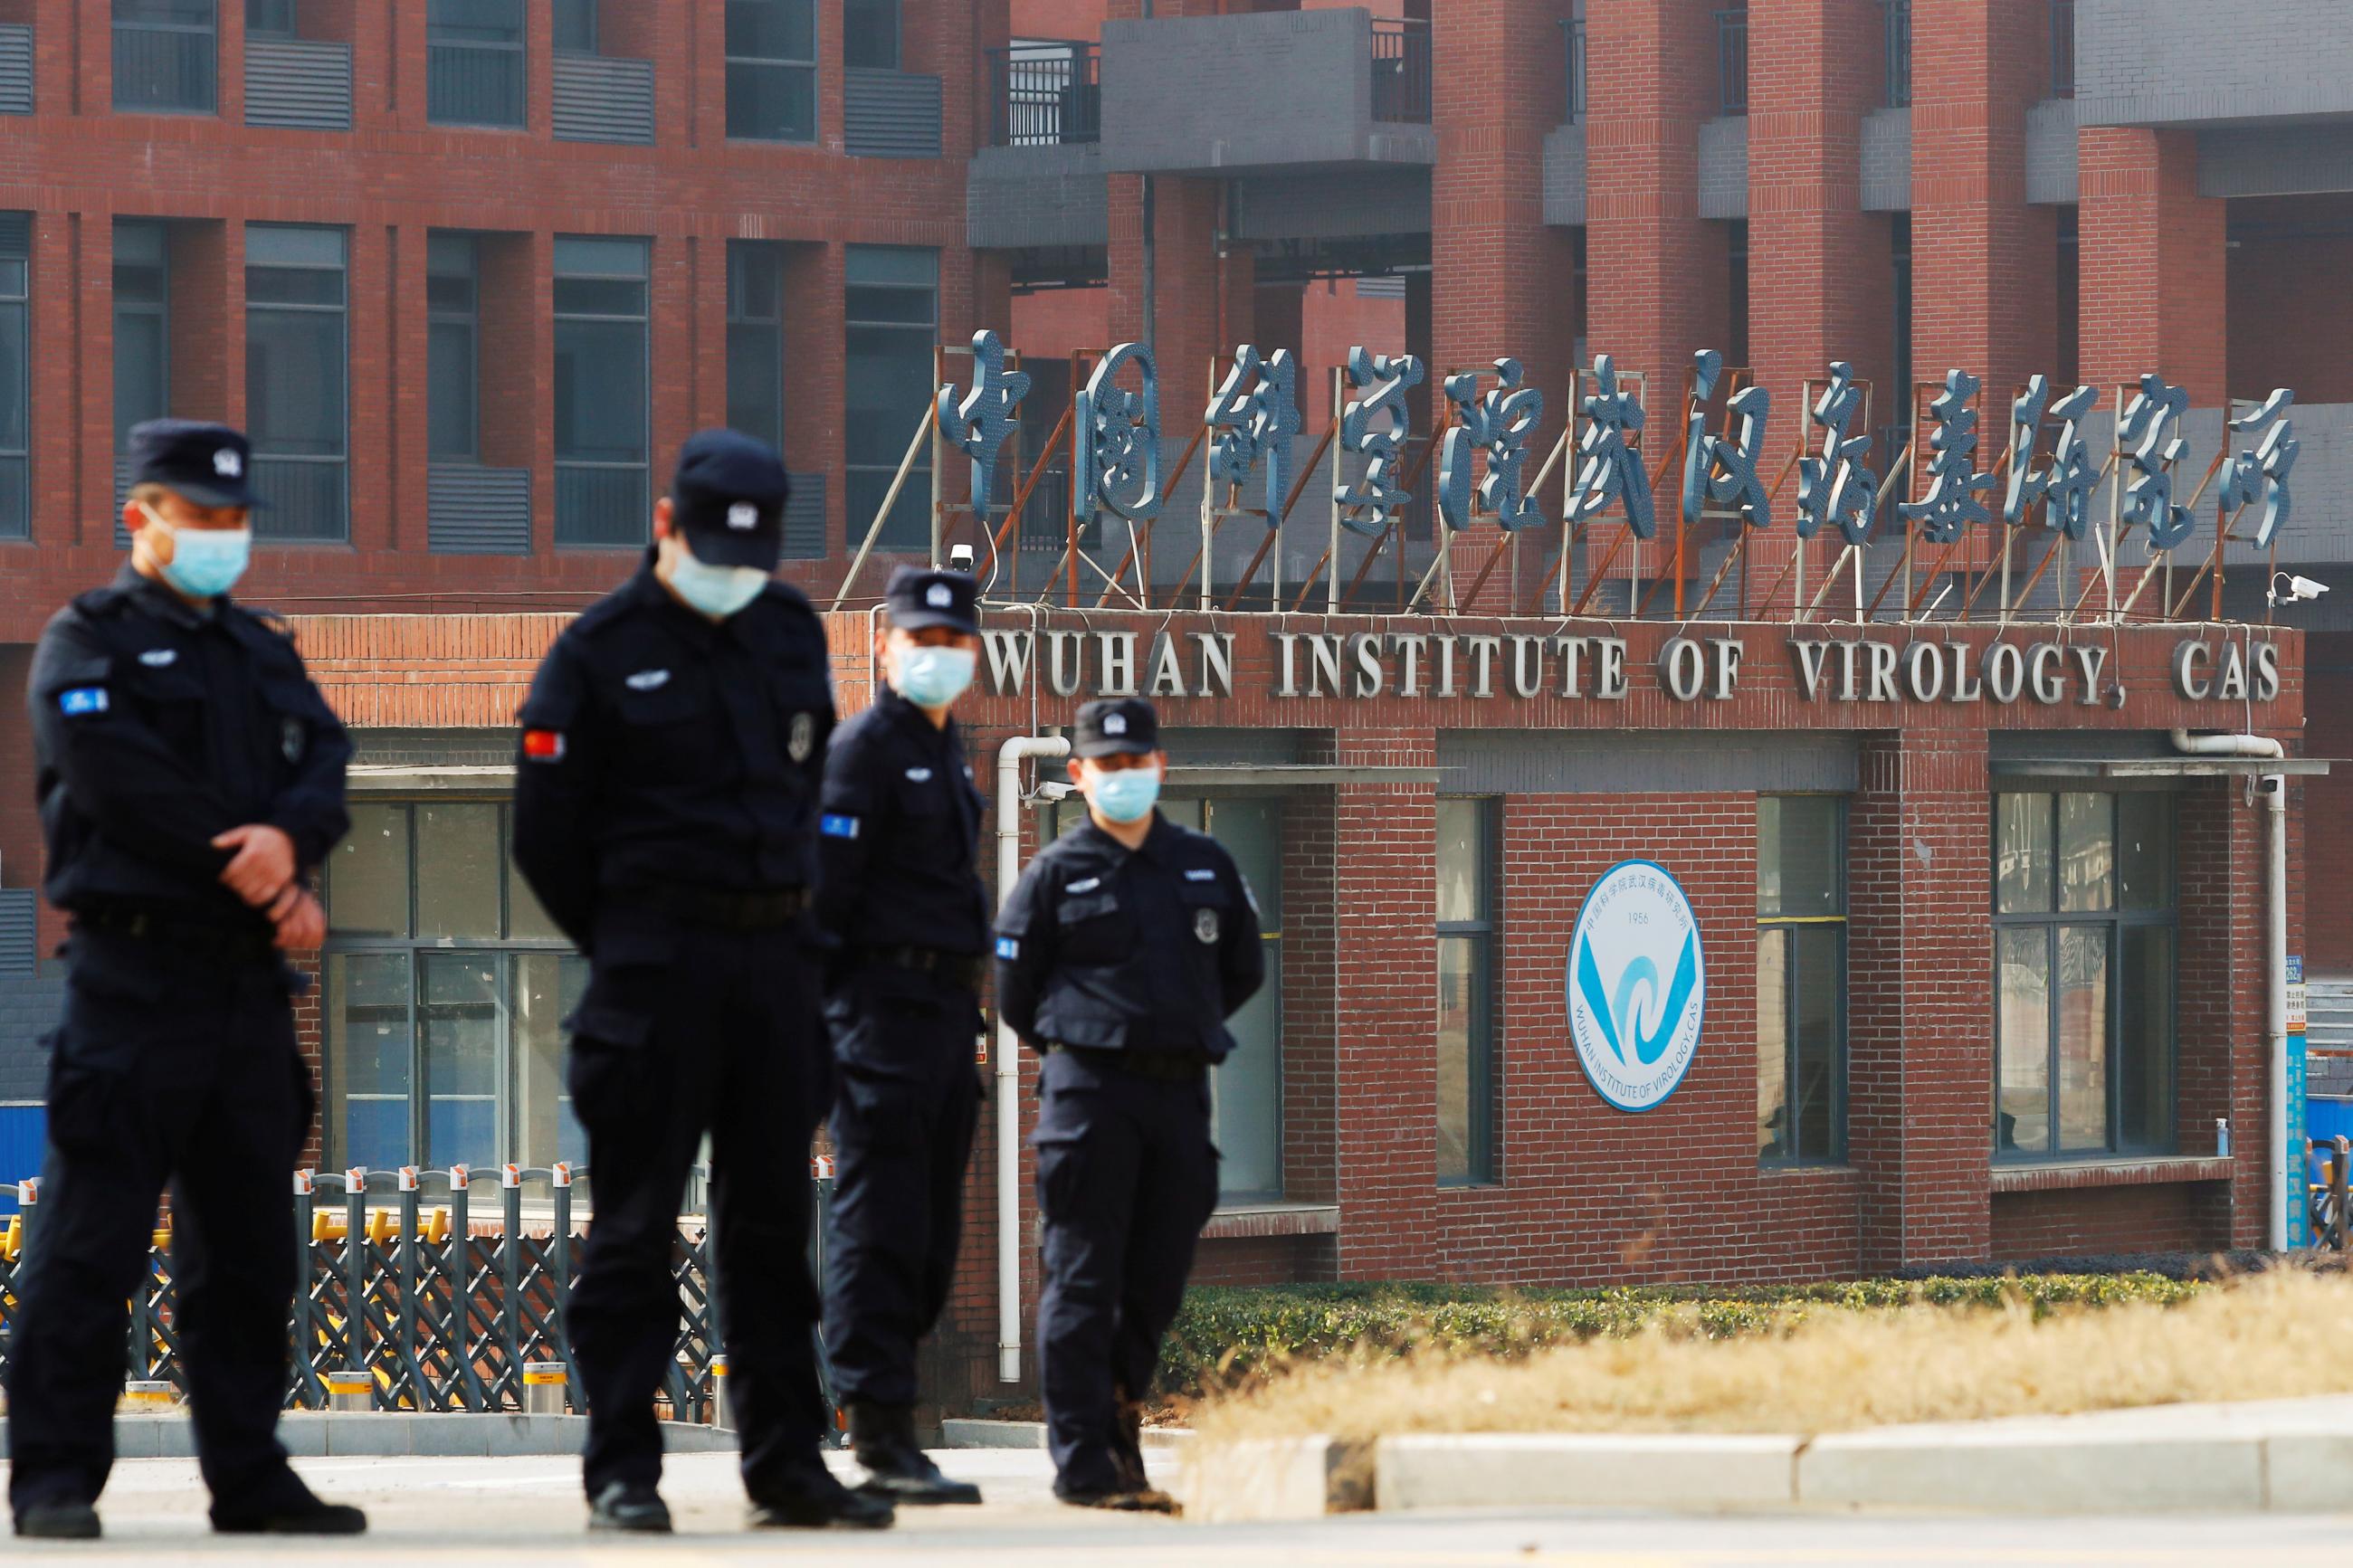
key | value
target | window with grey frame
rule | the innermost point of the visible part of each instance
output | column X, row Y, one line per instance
column 1800, row 979
column 143, row 324
column 453, row 328
column 297, row 374
column 475, row 69
column 575, row 28
column 756, row 340
column 445, row 988
column 16, row 374
column 891, row 313
column 601, row 435
column 2084, row 944
column 869, row 35
column 166, row 56
column 1469, row 961
column 772, row 71
column 270, row 18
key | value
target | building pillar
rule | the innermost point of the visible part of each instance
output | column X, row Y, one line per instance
column 1497, row 268
column 1981, row 257
column 819, row 354
column 2154, row 263
column 1820, row 280
column 1656, row 281
column 378, row 395
column 1920, row 998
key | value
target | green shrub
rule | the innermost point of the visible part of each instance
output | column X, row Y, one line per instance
column 1225, row 1334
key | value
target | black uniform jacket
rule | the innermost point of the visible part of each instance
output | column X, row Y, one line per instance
column 663, row 749
column 157, row 726
column 1152, row 949
column 899, row 842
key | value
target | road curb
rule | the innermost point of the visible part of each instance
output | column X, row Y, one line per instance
column 2280, row 1455
column 373, row 1434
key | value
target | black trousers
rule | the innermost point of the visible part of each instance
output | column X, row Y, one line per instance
column 1126, row 1177
column 906, row 1102
column 685, row 1031
column 179, row 1069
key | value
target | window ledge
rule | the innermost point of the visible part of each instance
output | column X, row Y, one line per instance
column 2065, row 1175
column 1244, row 1220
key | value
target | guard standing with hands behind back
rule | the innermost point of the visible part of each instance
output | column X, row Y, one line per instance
column 191, row 779
column 901, row 894
column 1125, row 947
column 665, row 814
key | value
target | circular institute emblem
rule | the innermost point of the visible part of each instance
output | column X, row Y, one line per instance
column 1637, row 984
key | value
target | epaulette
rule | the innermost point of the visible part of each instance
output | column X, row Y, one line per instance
column 598, row 615
column 271, row 620
column 103, row 601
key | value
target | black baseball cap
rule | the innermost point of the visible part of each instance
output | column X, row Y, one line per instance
column 919, row 596
column 211, row 465
column 728, row 499
column 1118, row 727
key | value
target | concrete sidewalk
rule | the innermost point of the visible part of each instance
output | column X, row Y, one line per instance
column 2289, row 1455
column 342, row 1434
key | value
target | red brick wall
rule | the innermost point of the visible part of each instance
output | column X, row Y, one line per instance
column 1263, row 1260
column 2153, row 262
column 2329, row 801
column 2288, row 322
column 2176, row 1217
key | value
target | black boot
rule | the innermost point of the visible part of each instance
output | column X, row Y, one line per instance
column 622, row 1506
column 1127, row 1454
column 284, row 1506
column 809, row 1498
column 62, row 1519
column 883, row 1439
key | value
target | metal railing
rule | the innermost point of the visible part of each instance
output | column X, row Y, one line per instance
column 1896, row 19
column 474, row 84
column 1572, row 33
column 1045, row 94
column 1401, row 72
column 442, row 1301
column 305, row 497
column 1732, row 61
column 2063, row 49
column 164, row 70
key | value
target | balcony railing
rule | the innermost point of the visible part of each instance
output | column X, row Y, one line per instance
column 1045, row 94
column 304, row 498
column 1897, row 21
column 1732, row 61
column 474, row 84
column 2063, row 49
column 1401, row 72
column 164, row 70
column 1572, row 33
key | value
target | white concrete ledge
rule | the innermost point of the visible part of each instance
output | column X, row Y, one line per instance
column 1591, row 1470
column 373, row 1434
column 2285, row 1456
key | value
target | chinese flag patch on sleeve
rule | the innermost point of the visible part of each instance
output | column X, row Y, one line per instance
column 544, row 745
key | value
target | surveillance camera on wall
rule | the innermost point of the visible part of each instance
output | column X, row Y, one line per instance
column 2299, row 588
column 960, row 558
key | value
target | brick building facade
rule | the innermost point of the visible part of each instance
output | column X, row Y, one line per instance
column 492, row 208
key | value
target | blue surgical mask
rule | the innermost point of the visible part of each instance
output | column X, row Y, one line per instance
column 205, row 561
column 1127, row 795
column 933, row 676
column 718, row 591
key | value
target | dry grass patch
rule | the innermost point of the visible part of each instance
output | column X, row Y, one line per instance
column 2270, row 1336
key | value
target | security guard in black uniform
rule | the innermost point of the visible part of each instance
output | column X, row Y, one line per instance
column 191, row 779
column 666, row 815
column 1126, row 946
column 900, row 894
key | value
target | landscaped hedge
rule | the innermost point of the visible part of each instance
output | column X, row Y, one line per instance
column 1223, row 1333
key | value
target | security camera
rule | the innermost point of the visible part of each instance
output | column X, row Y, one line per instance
column 2299, row 588
column 960, row 558
column 1052, row 790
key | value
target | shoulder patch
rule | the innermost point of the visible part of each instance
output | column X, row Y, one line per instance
column 81, row 701
column 544, row 745
column 648, row 680
column 1008, row 947
column 919, row 775
column 159, row 658
column 838, row 827
column 1084, row 885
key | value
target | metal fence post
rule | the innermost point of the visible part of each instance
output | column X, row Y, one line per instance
column 28, row 1203
column 511, row 1280
column 356, row 1354
column 308, row 1390
column 457, row 1273
column 559, row 1267
column 407, row 1309
column 2336, row 1190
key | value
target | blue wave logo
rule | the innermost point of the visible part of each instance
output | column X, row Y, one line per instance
column 1619, row 1022
column 1637, row 984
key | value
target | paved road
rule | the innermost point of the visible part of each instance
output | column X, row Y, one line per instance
column 519, row 1513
